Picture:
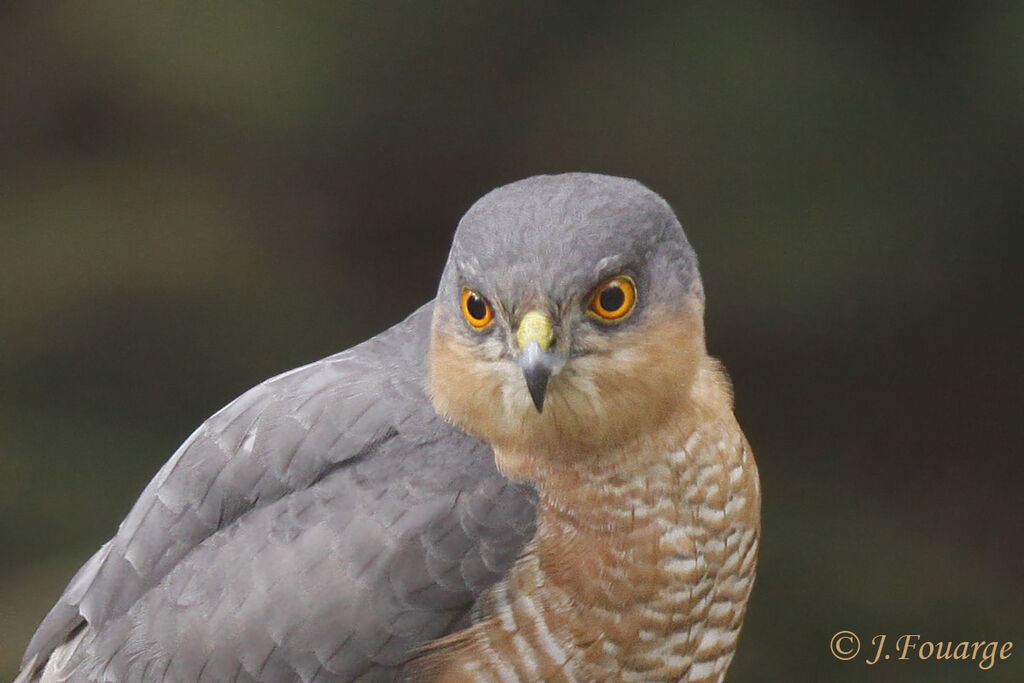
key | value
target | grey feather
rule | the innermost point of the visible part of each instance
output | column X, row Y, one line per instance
column 318, row 528
column 328, row 521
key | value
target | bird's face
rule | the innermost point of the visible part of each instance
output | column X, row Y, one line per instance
column 569, row 317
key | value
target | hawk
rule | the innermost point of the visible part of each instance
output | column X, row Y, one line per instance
column 537, row 476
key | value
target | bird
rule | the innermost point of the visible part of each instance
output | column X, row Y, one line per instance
column 536, row 476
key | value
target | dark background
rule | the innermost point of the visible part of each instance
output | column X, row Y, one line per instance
column 195, row 198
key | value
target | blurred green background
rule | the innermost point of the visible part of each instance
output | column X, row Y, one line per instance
column 193, row 198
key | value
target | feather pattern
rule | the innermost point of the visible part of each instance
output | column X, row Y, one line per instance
column 318, row 528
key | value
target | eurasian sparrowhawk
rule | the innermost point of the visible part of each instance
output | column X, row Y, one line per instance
column 535, row 477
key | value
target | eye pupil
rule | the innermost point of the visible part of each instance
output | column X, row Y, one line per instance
column 476, row 307
column 612, row 298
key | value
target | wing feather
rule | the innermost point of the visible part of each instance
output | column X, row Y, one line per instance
column 320, row 527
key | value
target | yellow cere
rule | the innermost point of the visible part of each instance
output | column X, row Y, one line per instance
column 535, row 327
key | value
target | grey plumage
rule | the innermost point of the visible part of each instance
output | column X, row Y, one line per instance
column 328, row 522
column 559, row 235
column 317, row 528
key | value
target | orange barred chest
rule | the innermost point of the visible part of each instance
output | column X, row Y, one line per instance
column 638, row 579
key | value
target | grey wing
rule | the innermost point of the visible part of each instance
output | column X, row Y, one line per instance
column 318, row 528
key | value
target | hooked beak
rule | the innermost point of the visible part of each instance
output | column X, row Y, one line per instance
column 534, row 338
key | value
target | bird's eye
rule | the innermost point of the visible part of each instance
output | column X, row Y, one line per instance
column 614, row 299
column 475, row 308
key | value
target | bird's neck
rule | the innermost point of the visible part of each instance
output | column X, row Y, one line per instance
column 650, row 555
column 572, row 478
column 698, row 458
column 643, row 565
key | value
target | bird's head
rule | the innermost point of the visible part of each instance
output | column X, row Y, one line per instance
column 569, row 318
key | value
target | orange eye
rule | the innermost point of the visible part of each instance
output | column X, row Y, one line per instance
column 476, row 309
column 614, row 299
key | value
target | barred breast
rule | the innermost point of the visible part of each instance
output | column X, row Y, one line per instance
column 637, row 573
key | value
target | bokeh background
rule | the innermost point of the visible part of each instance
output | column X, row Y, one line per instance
column 195, row 196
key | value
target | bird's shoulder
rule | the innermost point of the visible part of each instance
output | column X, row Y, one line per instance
column 333, row 445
